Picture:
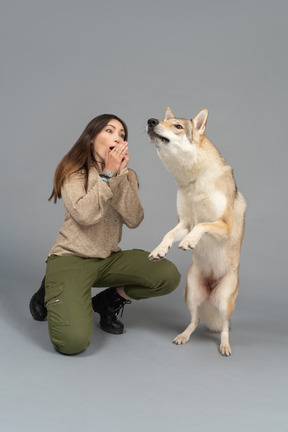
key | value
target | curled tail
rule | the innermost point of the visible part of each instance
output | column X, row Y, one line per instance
column 210, row 316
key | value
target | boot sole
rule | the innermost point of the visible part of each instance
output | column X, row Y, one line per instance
column 35, row 314
column 111, row 331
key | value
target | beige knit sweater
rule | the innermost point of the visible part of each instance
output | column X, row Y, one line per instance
column 93, row 219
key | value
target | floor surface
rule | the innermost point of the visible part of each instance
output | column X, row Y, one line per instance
column 142, row 381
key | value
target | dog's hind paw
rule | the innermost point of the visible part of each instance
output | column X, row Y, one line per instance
column 225, row 350
column 181, row 339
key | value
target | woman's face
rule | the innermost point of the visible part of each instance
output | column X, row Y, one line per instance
column 111, row 135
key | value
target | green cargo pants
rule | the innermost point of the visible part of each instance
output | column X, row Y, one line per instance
column 68, row 290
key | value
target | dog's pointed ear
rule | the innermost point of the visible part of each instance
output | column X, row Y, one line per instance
column 169, row 114
column 199, row 122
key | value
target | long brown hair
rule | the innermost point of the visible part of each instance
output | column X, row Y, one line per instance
column 80, row 156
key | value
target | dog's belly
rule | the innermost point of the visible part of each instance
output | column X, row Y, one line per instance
column 211, row 257
column 211, row 254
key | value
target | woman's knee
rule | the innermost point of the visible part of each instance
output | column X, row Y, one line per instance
column 162, row 279
column 69, row 343
column 172, row 277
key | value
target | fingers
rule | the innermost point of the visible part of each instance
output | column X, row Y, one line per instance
column 121, row 148
column 117, row 157
column 124, row 162
column 118, row 150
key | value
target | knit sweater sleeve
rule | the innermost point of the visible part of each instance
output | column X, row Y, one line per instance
column 126, row 199
column 86, row 208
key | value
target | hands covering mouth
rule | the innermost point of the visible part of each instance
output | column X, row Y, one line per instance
column 117, row 157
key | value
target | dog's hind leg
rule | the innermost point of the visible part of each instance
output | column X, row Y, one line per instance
column 224, row 300
column 195, row 295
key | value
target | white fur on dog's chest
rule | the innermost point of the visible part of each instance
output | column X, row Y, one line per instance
column 194, row 204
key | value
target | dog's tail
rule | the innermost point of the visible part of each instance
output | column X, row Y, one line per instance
column 210, row 316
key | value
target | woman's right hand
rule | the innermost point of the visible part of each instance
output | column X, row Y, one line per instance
column 114, row 157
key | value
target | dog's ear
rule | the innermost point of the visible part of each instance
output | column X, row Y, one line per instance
column 169, row 114
column 199, row 122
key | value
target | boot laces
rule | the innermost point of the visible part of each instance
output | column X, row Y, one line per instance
column 120, row 307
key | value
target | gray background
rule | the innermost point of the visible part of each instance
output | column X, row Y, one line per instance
column 64, row 62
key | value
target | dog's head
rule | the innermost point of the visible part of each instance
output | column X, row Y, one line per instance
column 176, row 131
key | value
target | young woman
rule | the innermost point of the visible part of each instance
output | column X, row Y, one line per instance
column 100, row 194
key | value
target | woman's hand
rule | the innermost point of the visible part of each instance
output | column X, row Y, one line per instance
column 117, row 159
column 125, row 161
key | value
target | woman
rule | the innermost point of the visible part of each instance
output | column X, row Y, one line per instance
column 99, row 193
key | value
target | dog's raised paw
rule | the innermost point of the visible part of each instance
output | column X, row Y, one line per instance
column 154, row 257
column 191, row 240
column 185, row 248
column 186, row 245
column 158, row 254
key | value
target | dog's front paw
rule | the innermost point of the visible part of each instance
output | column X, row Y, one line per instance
column 185, row 245
column 158, row 253
column 190, row 241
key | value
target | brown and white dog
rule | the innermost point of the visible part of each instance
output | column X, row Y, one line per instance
column 210, row 221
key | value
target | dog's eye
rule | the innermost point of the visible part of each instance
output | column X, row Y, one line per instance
column 178, row 126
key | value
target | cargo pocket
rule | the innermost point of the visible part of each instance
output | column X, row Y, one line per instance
column 56, row 304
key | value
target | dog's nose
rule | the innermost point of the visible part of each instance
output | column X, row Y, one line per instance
column 152, row 122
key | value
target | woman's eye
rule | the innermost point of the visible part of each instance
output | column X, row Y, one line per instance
column 179, row 126
column 122, row 136
column 108, row 130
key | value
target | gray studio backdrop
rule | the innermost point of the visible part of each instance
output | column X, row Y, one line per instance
column 64, row 62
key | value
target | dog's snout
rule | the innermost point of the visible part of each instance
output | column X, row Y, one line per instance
column 152, row 122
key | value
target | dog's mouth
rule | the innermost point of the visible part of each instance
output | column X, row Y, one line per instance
column 154, row 135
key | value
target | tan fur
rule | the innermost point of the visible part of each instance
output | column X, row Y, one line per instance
column 210, row 221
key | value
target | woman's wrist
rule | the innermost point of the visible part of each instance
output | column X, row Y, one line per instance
column 108, row 173
column 105, row 179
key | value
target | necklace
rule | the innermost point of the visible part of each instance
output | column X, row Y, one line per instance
column 95, row 166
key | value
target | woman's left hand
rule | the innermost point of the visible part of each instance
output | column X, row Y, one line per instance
column 117, row 158
column 125, row 161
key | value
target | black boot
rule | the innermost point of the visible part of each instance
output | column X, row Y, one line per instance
column 108, row 304
column 36, row 305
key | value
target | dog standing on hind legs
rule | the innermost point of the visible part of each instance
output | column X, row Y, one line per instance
column 210, row 221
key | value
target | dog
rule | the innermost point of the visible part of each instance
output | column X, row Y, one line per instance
column 211, row 213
